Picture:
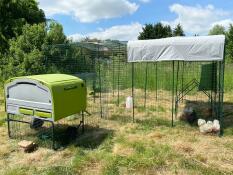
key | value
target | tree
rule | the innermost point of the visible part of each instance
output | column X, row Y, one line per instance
column 156, row 31
column 14, row 14
column 168, row 31
column 162, row 31
column 25, row 52
column 55, row 34
column 178, row 31
column 147, row 32
column 217, row 30
column 229, row 47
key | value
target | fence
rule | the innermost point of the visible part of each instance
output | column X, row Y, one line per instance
column 159, row 90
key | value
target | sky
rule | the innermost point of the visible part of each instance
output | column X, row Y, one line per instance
column 124, row 19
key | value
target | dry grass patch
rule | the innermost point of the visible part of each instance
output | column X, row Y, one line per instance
column 184, row 148
column 118, row 146
column 122, row 150
column 155, row 135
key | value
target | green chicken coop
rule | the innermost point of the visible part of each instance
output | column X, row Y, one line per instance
column 48, row 97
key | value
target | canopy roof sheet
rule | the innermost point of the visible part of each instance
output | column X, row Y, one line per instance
column 197, row 48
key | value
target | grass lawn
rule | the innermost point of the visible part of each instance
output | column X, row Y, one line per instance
column 118, row 146
column 114, row 146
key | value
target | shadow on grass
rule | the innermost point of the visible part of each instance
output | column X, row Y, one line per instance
column 93, row 137
column 65, row 134
column 203, row 110
column 121, row 118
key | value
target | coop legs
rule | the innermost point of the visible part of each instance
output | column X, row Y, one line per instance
column 53, row 137
column 8, row 124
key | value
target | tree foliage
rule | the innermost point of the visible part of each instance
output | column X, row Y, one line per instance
column 156, row 31
column 217, row 30
column 14, row 14
column 178, row 31
column 55, row 34
column 229, row 47
column 27, row 51
column 220, row 30
column 159, row 30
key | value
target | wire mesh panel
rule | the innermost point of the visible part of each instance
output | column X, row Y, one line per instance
column 152, row 90
column 28, row 128
column 45, row 133
column 197, row 89
column 158, row 90
column 85, row 61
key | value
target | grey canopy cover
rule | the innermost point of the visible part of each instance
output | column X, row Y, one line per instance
column 196, row 48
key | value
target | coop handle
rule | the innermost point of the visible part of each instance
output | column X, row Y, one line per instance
column 27, row 83
column 70, row 88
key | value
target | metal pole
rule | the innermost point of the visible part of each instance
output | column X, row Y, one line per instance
column 113, row 75
column 145, row 87
column 212, row 88
column 173, row 81
column 156, row 80
column 182, row 80
column 101, row 110
column 118, row 78
column 221, row 93
column 94, row 78
column 177, row 80
column 215, row 87
column 82, row 122
column 118, row 83
column 8, row 124
column 53, row 138
column 133, row 88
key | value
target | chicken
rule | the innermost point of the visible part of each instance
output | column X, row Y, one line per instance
column 209, row 126
column 216, row 126
column 201, row 122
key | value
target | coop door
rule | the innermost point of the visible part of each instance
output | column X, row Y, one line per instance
column 208, row 79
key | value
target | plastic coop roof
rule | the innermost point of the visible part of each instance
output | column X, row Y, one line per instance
column 197, row 48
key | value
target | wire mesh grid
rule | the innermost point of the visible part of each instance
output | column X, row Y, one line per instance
column 197, row 87
column 160, row 90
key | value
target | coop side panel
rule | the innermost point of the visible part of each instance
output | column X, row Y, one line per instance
column 24, row 96
column 68, row 98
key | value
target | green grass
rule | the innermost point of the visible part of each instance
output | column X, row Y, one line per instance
column 122, row 119
column 2, row 113
column 164, row 75
column 145, row 156
column 194, row 166
column 58, row 170
column 228, row 83
column 152, row 123
column 2, row 118
column 18, row 171
column 95, row 152
column 95, row 149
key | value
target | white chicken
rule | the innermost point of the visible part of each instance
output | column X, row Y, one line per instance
column 205, row 127
column 216, row 126
column 209, row 126
column 201, row 122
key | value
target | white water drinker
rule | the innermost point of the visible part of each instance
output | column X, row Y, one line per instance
column 129, row 102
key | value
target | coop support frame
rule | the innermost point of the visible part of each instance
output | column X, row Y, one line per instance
column 10, row 119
